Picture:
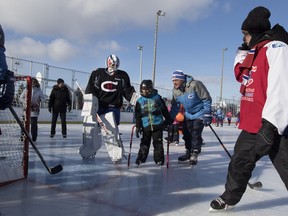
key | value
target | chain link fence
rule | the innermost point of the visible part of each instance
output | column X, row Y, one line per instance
column 47, row 75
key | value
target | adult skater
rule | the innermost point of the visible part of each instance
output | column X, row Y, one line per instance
column 261, row 66
column 196, row 102
column 59, row 103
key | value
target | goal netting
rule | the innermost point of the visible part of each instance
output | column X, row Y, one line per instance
column 14, row 145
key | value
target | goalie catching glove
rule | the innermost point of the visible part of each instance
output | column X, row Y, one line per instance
column 7, row 89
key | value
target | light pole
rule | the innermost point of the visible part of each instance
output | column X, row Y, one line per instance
column 159, row 13
column 140, row 48
column 221, row 82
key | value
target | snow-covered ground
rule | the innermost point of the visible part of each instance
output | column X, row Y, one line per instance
column 97, row 187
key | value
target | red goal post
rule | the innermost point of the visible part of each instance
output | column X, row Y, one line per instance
column 14, row 145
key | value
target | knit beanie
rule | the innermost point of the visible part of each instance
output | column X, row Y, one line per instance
column 257, row 20
column 60, row 81
column 178, row 75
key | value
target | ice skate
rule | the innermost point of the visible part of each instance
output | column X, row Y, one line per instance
column 184, row 158
column 218, row 205
column 160, row 163
column 194, row 157
column 138, row 162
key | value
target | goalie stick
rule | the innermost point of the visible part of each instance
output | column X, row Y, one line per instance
column 108, row 132
column 256, row 185
column 52, row 170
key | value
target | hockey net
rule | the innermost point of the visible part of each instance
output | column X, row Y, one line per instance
column 14, row 145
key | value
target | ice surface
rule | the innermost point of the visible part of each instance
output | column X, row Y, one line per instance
column 97, row 187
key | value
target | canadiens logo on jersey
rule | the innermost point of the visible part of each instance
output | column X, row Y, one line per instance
column 109, row 86
column 190, row 96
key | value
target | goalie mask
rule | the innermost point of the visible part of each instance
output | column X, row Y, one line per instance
column 112, row 64
column 146, row 88
column 7, row 89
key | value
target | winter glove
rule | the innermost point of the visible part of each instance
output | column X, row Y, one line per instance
column 167, row 124
column 244, row 46
column 207, row 119
column 265, row 138
column 166, row 127
column 138, row 131
column 49, row 109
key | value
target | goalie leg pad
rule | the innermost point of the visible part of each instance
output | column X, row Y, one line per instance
column 92, row 139
column 111, row 137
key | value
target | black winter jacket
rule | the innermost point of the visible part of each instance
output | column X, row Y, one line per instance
column 59, row 99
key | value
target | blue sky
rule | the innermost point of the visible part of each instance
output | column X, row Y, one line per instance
column 80, row 34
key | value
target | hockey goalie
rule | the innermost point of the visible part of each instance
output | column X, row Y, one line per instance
column 109, row 85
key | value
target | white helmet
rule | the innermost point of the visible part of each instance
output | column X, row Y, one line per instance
column 112, row 64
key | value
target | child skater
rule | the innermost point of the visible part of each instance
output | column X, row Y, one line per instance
column 149, row 112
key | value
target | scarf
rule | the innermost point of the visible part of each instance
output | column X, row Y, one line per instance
column 247, row 65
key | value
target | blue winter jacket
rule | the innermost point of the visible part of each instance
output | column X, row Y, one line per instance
column 194, row 97
column 151, row 111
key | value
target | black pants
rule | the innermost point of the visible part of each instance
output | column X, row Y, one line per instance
column 192, row 134
column 63, row 122
column 244, row 161
column 157, row 137
column 34, row 128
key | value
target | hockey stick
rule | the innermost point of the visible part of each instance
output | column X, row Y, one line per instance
column 131, row 139
column 168, row 144
column 52, row 170
column 256, row 185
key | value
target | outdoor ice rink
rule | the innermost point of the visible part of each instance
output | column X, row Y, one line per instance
column 97, row 187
